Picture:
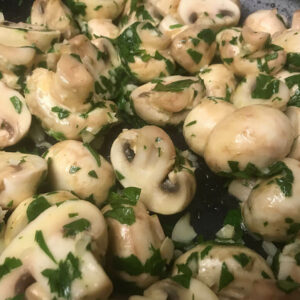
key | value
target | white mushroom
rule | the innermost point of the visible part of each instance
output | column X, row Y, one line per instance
column 167, row 101
column 168, row 289
column 256, row 134
column 15, row 118
column 227, row 270
column 24, row 171
column 216, row 14
column 77, row 167
column 241, row 188
column 171, row 27
column 194, row 48
column 268, row 21
column 244, row 52
column 200, row 122
column 29, row 209
column 272, row 209
column 261, row 89
column 49, row 257
column 141, row 237
column 53, row 14
column 146, row 159
column 219, row 81
column 165, row 7
column 103, row 27
column 296, row 20
column 293, row 114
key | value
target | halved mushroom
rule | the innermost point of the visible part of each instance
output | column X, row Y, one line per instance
column 168, row 289
column 256, row 134
column 103, row 27
column 76, row 167
column 143, row 238
column 261, row 89
column 194, row 48
column 216, row 14
column 24, row 171
column 169, row 100
column 29, row 209
column 23, row 34
column 269, row 21
column 53, row 14
column 171, row 27
column 293, row 114
column 219, row 81
column 272, row 210
column 50, row 256
column 165, row 7
column 146, row 159
column 245, row 52
column 296, row 20
column 200, row 122
column 228, row 270
column 15, row 118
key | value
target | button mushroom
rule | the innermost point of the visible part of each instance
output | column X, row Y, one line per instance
column 77, row 167
column 169, row 289
column 50, row 257
column 15, row 118
column 227, row 270
column 145, row 158
column 241, row 188
column 194, row 48
column 54, row 15
column 103, row 27
column 167, row 101
column 136, row 235
column 216, row 14
column 261, row 89
column 293, row 114
column 296, row 20
column 30, row 209
column 24, row 171
column 268, row 21
column 256, row 134
column 272, row 209
column 200, row 122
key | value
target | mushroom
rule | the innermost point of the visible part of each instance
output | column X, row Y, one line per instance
column 228, row 270
column 65, row 103
column 245, row 52
column 272, row 209
column 293, row 114
column 165, row 7
column 194, row 48
column 216, row 15
column 49, row 257
column 218, row 80
column 256, row 134
column 77, row 167
column 168, row 289
column 200, row 122
column 142, row 238
column 24, row 171
column 15, row 118
column 241, row 188
column 269, row 21
column 296, row 20
column 103, row 27
column 146, row 159
column 171, row 27
column 27, row 35
column 53, row 15
column 167, row 101
column 30, row 208
column 261, row 89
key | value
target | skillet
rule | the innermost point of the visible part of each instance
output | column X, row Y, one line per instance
column 211, row 202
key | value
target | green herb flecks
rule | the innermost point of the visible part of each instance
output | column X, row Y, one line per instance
column 226, row 277
column 10, row 263
column 61, row 113
column 76, row 227
column 94, row 153
column 195, row 55
column 17, row 103
column 174, row 87
column 36, row 207
column 74, row 169
column 242, row 259
column 39, row 238
column 93, row 174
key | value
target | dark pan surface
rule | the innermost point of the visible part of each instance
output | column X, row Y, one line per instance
column 212, row 201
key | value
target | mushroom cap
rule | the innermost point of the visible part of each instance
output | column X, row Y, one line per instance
column 146, row 157
column 75, row 167
column 15, row 118
column 161, row 107
column 209, row 266
column 200, row 122
column 24, row 171
column 293, row 113
column 265, row 21
column 289, row 40
column 33, row 258
column 296, row 20
column 243, row 95
column 268, row 204
column 256, row 134
column 103, row 27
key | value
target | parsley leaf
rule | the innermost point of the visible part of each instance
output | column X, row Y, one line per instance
column 226, row 277
column 242, row 259
column 131, row 265
column 39, row 238
column 266, row 87
column 94, row 153
column 184, row 275
column 93, row 174
column 195, row 55
column 61, row 113
column 16, row 102
column 174, row 87
column 10, row 263
column 75, row 227
column 74, row 169
column 207, row 35
column 36, row 207
column 287, row 286
column 76, row 7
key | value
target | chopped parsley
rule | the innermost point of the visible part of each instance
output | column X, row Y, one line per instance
column 75, row 227
column 207, row 35
column 195, row 55
column 226, row 277
column 266, row 87
column 174, row 87
column 287, row 286
column 191, row 123
column 61, row 113
column 74, row 169
column 94, row 153
column 242, row 259
column 93, row 174
column 36, row 207
column 39, row 238
column 119, row 175
column 10, row 263
column 17, row 103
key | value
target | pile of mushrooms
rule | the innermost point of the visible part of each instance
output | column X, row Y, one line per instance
column 83, row 208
